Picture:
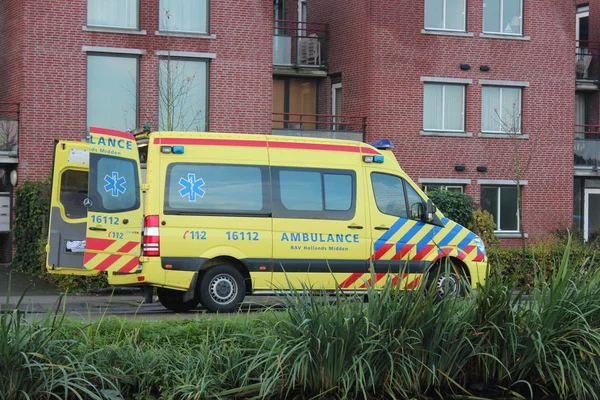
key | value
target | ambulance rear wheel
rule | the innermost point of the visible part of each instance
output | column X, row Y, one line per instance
column 448, row 281
column 222, row 289
column 173, row 300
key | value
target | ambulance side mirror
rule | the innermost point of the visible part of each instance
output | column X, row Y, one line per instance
column 417, row 211
column 430, row 210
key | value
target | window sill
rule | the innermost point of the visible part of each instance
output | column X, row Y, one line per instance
column 447, row 134
column 112, row 30
column 186, row 34
column 521, row 136
column 501, row 36
column 510, row 235
column 447, row 33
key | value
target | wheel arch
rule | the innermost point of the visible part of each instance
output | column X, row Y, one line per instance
column 440, row 262
column 232, row 261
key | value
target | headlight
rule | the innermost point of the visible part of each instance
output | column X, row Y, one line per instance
column 480, row 245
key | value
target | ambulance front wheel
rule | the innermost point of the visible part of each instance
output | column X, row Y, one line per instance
column 173, row 300
column 448, row 280
column 221, row 289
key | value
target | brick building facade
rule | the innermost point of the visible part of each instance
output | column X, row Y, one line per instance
column 317, row 68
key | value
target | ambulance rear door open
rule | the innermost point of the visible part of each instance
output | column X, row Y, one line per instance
column 114, row 203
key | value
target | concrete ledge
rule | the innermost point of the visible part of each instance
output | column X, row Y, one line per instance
column 501, row 36
column 521, row 136
column 447, row 134
column 104, row 29
column 447, row 33
column 186, row 34
column 510, row 235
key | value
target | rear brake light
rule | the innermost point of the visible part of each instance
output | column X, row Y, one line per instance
column 151, row 243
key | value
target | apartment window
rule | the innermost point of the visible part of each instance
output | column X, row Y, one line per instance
column 122, row 14
column 183, row 94
column 450, row 188
column 501, row 109
column 503, row 17
column 112, row 91
column 446, row 15
column 444, row 107
column 501, row 202
column 186, row 16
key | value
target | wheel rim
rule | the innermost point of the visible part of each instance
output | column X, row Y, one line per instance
column 450, row 282
column 223, row 289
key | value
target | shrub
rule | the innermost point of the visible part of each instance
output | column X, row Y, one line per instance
column 456, row 206
column 484, row 226
column 32, row 205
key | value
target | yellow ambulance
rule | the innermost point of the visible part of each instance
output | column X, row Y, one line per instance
column 221, row 216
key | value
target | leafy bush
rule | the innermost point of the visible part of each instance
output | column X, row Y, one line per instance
column 456, row 206
column 484, row 226
column 32, row 204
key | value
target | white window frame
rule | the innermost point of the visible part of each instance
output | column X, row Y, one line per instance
column 443, row 187
column 501, row 111
column 582, row 12
column 444, row 84
column 502, row 22
column 444, row 28
column 334, row 87
column 498, row 184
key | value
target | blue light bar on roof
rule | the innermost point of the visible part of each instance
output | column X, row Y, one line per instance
column 383, row 144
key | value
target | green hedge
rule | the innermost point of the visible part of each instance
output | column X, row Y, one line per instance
column 543, row 256
column 32, row 204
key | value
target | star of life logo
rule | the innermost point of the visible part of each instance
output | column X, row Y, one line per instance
column 191, row 187
column 115, row 184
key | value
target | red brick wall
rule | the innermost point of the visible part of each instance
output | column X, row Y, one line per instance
column 53, row 67
column 381, row 52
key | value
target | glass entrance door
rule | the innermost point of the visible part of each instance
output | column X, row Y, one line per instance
column 591, row 222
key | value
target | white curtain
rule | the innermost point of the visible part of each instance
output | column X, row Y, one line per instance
column 434, row 14
column 432, row 107
column 112, row 84
column 490, row 109
column 184, row 15
column 511, row 110
column 113, row 13
column 455, row 15
column 454, row 103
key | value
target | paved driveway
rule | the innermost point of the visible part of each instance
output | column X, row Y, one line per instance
column 21, row 282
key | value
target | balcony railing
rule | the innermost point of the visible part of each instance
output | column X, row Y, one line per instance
column 9, row 129
column 587, row 146
column 320, row 126
column 300, row 44
column 587, row 60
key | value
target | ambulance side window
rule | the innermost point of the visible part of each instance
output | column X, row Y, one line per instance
column 313, row 193
column 114, row 185
column 73, row 190
column 389, row 194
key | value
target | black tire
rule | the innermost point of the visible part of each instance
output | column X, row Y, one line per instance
column 222, row 289
column 448, row 280
column 173, row 300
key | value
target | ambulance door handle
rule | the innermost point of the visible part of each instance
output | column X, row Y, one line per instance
column 355, row 226
column 93, row 228
column 382, row 228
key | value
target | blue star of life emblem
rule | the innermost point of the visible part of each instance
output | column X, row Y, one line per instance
column 191, row 187
column 115, row 184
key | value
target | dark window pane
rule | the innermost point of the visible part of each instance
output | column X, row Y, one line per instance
column 508, row 209
column 301, row 190
column 489, row 201
column 73, row 190
column 214, row 188
column 491, row 16
column 338, row 192
column 389, row 194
